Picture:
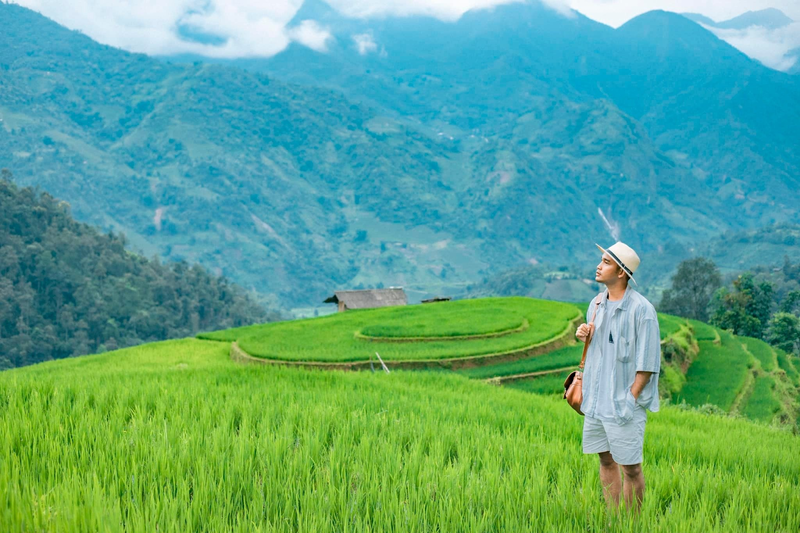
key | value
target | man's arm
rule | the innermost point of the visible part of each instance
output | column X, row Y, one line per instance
column 648, row 350
column 642, row 378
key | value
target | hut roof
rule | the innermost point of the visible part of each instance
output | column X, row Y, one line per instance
column 369, row 298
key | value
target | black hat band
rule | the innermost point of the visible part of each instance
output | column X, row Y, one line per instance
column 620, row 263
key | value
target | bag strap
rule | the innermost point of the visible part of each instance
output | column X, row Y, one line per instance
column 591, row 331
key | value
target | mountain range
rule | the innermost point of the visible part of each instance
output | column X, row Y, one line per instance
column 770, row 18
column 411, row 151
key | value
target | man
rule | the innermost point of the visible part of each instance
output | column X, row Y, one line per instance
column 620, row 379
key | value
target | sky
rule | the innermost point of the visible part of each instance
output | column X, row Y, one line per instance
column 246, row 28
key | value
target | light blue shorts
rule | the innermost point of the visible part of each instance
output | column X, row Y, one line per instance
column 625, row 442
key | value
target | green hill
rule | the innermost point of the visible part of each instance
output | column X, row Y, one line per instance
column 719, row 373
column 67, row 289
column 174, row 436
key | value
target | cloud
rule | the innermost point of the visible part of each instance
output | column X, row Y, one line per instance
column 159, row 27
column 242, row 28
column 310, row 34
column 771, row 47
column 223, row 28
column 226, row 28
column 365, row 43
column 441, row 9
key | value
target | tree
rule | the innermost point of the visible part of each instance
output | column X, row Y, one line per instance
column 693, row 286
column 783, row 331
column 745, row 310
column 791, row 304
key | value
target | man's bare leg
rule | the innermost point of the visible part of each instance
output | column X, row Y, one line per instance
column 633, row 486
column 610, row 479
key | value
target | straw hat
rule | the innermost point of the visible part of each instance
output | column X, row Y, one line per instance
column 624, row 256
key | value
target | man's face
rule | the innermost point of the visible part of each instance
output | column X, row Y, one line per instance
column 608, row 271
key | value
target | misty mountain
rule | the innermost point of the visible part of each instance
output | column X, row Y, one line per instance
column 732, row 119
column 414, row 152
column 246, row 175
column 770, row 18
column 795, row 68
column 726, row 119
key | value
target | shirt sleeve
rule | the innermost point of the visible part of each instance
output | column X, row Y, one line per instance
column 590, row 309
column 648, row 343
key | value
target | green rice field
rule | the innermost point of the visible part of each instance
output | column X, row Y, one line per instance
column 669, row 324
column 445, row 319
column 703, row 331
column 551, row 384
column 175, row 437
column 762, row 404
column 338, row 337
column 762, row 351
column 786, row 364
column 561, row 358
column 718, row 374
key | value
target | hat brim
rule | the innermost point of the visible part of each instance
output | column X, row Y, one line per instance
column 618, row 263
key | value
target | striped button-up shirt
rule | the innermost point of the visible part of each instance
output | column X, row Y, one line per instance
column 637, row 341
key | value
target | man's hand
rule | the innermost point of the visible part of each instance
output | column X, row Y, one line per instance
column 641, row 379
column 583, row 331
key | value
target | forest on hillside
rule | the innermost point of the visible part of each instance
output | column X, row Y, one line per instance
column 67, row 289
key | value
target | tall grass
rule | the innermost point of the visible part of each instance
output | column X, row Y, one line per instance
column 548, row 384
column 333, row 338
column 174, row 437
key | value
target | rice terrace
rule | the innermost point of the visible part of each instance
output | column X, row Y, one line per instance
column 461, row 332
column 179, row 436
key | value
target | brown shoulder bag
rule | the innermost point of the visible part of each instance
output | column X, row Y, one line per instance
column 573, row 385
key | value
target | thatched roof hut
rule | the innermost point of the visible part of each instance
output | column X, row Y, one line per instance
column 368, row 298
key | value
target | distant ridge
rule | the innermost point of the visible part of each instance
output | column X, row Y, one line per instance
column 770, row 18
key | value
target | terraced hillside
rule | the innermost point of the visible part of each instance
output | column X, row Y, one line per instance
column 465, row 332
column 175, row 437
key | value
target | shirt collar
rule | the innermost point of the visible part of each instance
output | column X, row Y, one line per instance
column 623, row 303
